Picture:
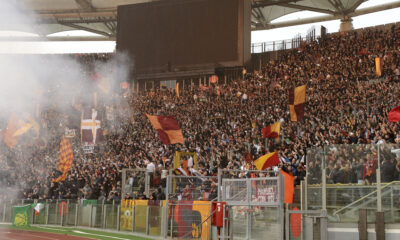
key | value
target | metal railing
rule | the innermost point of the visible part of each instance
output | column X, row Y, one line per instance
column 134, row 216
column 342, row 179
column 362, row 200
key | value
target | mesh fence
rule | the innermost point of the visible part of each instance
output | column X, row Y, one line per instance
column 192, row 188
column 351, row 178
column 234, row 191
column 251, row 191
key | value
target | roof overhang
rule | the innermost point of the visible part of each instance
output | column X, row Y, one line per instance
column 100, row 16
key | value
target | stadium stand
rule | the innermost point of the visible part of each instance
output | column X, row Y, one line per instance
column 346, row 104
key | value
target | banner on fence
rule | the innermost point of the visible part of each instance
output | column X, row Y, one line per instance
column 126, row 214
column 20, row 216
column 189, row 218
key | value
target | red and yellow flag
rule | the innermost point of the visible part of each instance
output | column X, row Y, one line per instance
column 17, row 127
column 378, row 65
column 266, row 161
column 297, row 101
column 272, row 131
column 65, row 159
column 168, row 129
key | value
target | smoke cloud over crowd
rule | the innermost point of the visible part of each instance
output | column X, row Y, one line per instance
column 33, row 84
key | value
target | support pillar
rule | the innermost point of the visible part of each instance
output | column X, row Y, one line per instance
column 346, row 24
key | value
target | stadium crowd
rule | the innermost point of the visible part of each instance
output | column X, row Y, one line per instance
column 346, row 104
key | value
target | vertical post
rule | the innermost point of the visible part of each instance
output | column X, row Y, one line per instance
column 91, row 214
column 323, row 185
column 47, row 214
column 133, row 218
column 248, row 200
column 223, row 220
column 147, row 183
column 167, row 188
column 219, row 184
column 378, row 183
column 62, row 214
column 380, row 226
column 306, row 189
column 32, row 212
column 118, row 217
column 281, row 206
column 4, row 211
column 55, row 214
column 172, row 217
column 123, row 182
column 209, row 227
column 391, row 203
column 147, row 220
column 104, row 216
column 301, row 195
column 362, row 224
column 76, row 214
column 287, row 229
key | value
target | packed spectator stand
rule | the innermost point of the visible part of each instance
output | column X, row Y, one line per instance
column 346, row 104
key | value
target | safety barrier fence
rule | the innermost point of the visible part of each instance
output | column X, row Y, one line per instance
column 180, row 219
column 342, row 179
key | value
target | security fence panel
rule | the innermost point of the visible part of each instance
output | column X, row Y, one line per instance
column 71, row 215
column 141, row 215
column 97, row 216
column 241, row 174
column 357, row 176
column 111, row 221
column 235, row 191
column 138, row 182
column 251, row 191
column 199, row 188
column 255, row 207
column 190, row 220
column 389, row 188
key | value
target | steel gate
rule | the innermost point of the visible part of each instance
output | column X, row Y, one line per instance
column 255, row 208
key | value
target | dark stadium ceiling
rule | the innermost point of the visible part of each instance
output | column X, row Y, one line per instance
column 100, row 16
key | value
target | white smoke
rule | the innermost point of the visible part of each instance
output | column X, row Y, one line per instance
column 53, row 81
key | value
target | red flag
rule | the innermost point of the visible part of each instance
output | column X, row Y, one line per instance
column 248, row 157
column 394, row 114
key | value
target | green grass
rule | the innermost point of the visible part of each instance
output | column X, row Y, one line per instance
column 76, row 232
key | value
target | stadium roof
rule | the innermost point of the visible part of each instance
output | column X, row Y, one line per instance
column 100, row 16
